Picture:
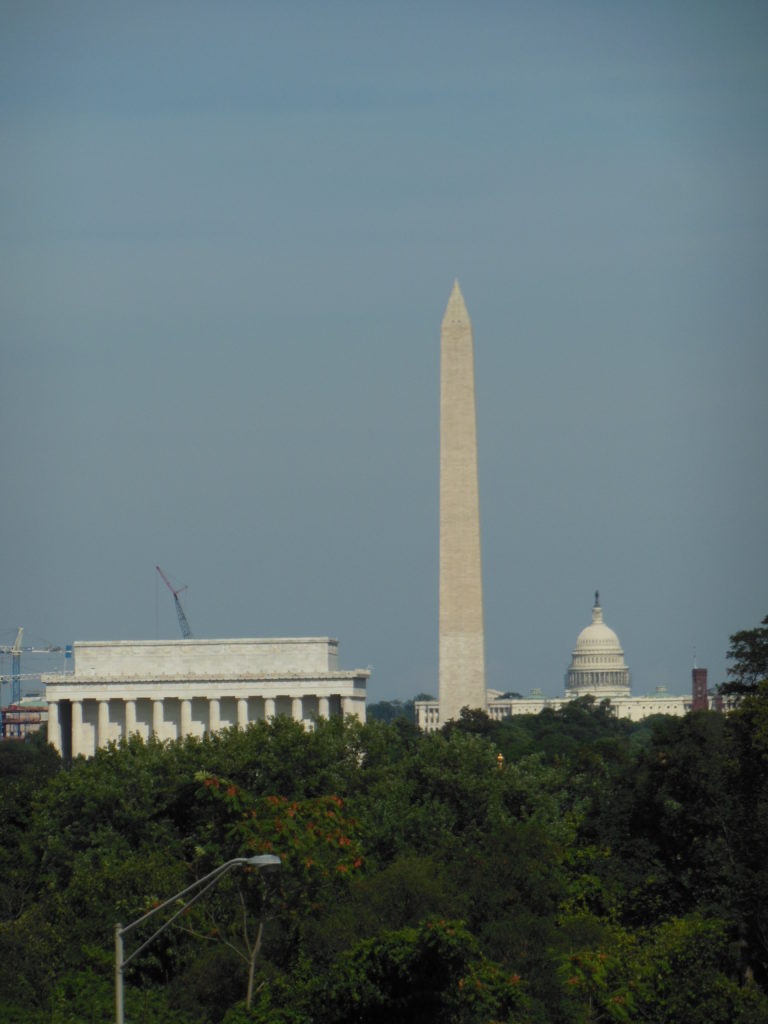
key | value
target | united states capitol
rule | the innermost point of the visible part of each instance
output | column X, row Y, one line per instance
column 597, row 669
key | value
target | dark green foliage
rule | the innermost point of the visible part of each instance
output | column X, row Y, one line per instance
column 749, row 654
column 471, row 720
column 85, row 997
column 29, row 761
column 600, row 871
column 666, row 820
column 431, row 973
column 388, row 710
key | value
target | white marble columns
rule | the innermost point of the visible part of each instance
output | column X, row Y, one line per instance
column 130, row 717
column 103, row 724
column 77, row 728
column 97, row 721
column 186, row 717
column 54, row 724
column 177, row 688
column 157, row 717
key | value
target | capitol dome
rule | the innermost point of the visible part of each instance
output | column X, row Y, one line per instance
column 597, row 664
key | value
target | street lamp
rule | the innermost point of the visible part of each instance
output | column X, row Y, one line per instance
column 263, row 861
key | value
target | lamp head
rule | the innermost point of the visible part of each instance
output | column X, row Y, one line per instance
column 265, row 861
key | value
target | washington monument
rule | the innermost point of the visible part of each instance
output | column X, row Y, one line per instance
column 462, row 644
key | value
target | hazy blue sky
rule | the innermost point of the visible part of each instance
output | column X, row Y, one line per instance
column 228, row 232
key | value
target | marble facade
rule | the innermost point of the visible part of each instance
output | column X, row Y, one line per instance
column 177, row 688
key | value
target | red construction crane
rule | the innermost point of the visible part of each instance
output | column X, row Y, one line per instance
column 186, row 632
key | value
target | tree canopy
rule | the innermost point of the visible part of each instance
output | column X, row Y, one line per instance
column 748, row 653
column 599, row 871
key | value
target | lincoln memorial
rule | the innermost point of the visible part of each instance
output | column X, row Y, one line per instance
column 177, row 688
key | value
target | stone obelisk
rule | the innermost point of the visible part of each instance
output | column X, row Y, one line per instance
column 462, row 644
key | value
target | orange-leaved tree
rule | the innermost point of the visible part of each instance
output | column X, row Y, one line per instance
column 318, row 845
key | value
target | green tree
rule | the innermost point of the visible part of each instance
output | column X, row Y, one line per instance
column 388, row 710
column 433, row 974
column 316, row 842
column 747, row 747
column 471, row 720
column 686, row 972
column 666, row 821
column 647, row 847
column 749, row 654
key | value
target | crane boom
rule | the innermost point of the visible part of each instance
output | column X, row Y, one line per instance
column 186, row 632
column 16, row 668
column 16, row 674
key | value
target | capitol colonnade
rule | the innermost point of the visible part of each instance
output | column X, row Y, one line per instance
column 170, row 689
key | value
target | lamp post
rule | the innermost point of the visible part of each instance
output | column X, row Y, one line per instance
column 262, row 861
